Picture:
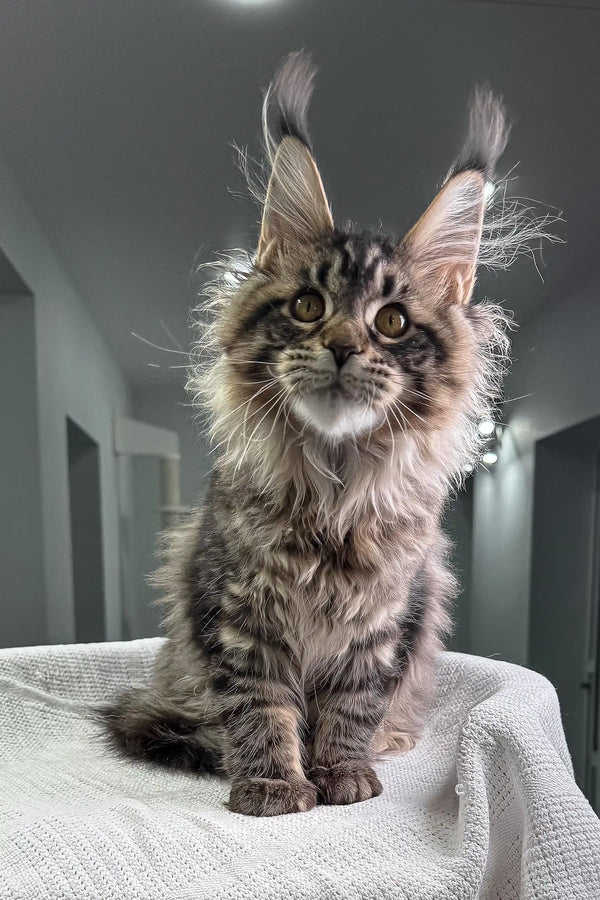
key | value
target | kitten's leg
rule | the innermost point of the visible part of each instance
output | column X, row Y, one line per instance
column 263, row 718
column 350, row 713
column 420, row 642
column 401, row 729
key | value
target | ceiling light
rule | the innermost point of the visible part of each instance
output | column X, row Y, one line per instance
column 489, row 458
column 486, row 428
column 251, row 2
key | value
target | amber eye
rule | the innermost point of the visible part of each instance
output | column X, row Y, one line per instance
column 391, row 321
column 308, row 307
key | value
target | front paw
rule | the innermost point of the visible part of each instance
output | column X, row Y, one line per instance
column 271, row 796
column 345, row 783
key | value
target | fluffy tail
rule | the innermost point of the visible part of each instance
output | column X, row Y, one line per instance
column 147, row 727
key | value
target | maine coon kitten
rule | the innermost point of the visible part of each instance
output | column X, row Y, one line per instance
column 347, row 371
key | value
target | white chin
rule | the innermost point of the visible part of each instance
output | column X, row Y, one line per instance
column 336, row 417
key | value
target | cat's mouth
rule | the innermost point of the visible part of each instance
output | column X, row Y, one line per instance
column 337, row 409
column 336, row 403
column 341, row 390
column 334, row 385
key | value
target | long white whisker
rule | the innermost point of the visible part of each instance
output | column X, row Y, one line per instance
column 241, row 424
column 418, row 394
column 273, row 403
column 401, row 424
column 408, row 409
column 157, row 346
column 391, row 432
column 246, row 402
column 252, row 362
column 175, row 341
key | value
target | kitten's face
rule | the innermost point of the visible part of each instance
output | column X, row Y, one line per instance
column 342, row 335
column 342, row 341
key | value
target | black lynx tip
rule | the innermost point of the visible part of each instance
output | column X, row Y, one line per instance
column 290, row 95
column 487, row 137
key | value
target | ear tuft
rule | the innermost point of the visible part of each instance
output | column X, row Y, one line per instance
column 295, row 211
column 487, row 137
column 287, row 101
column 443, row 247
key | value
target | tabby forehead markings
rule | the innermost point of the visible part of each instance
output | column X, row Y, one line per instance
column 261, row 313
column 388, row 285
column 323, row 272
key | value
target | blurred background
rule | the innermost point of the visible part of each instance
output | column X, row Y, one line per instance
column 117, row 177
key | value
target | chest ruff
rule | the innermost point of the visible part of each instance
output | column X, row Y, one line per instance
column 320, row 602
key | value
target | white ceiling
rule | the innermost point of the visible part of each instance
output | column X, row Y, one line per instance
column 117, row 116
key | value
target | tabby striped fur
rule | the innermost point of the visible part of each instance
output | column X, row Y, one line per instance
column 308, row 598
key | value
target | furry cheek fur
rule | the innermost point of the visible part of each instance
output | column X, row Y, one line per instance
column 307, row 600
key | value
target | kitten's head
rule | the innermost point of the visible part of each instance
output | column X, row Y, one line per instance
column 339, row 336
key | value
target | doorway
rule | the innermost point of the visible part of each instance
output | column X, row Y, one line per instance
column 592, row 675
column 458, row 524
column 563, row 633
column 86, row 535
column 21, row 519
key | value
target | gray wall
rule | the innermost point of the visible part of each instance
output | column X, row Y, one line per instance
column 77, row 377
column 23, row 619
column 557, row 364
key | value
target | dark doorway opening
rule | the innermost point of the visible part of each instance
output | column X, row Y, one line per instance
column 86, row 534
column 563, row 633
column 458, row 524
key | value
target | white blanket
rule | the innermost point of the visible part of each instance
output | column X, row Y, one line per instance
column 485, row 807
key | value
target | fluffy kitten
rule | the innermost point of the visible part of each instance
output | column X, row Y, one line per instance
column 347, row 371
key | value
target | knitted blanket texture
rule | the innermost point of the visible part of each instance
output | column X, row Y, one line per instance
column 485, row 807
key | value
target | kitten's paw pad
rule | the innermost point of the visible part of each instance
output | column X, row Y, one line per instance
column 341, row 785
column 271, row 796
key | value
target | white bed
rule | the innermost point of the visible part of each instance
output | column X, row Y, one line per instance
column 485, row 807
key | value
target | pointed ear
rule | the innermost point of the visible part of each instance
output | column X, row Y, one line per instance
column 444, row 244
column 296, row 210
